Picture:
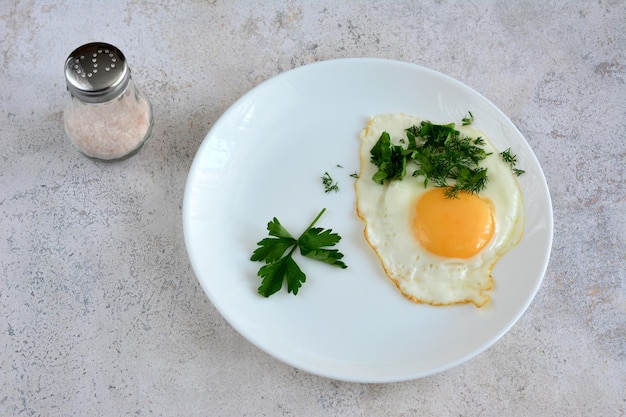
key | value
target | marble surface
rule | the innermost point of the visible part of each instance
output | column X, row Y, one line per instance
column 100, row 311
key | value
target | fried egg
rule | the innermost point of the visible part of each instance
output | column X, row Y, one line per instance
column 437, row 250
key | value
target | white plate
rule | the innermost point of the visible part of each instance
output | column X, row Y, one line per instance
column 265, row 157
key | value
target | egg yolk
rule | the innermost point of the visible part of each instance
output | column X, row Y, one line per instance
column 453, row 228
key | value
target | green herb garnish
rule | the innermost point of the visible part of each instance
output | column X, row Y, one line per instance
column 445, row 155
column 327, row 180
column 511, row 160
column 467, row 120
column 390, row 159
column 313, row 243
column 441, row 155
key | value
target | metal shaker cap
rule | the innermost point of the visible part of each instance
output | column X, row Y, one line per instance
column 96, row 72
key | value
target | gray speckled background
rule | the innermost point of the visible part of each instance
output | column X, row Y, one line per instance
column 100, row 311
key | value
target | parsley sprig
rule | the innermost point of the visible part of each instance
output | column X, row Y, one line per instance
column 313, row 243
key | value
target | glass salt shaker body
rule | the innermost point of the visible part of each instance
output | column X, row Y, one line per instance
column 107, row 117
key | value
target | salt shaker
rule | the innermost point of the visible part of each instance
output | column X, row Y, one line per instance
column 107, row 117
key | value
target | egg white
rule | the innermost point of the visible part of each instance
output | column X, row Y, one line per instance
column 386, row 209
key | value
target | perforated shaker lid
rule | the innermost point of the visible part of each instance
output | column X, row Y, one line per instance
column 96, row 72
